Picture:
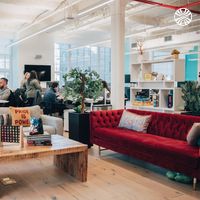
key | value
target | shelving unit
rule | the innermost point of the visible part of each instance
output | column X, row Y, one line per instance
column 164, row 87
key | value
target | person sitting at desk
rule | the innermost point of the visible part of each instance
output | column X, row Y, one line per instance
column 4, row 90
column 105, row 94
column 52, row 104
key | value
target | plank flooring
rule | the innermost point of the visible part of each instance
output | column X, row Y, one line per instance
column 111, row 177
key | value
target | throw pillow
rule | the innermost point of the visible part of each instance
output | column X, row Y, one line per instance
column 20, row 116
column 134, row 121
column 4, row 119
column 194, row 134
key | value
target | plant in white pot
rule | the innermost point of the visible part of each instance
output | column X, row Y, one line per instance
column 79, row 85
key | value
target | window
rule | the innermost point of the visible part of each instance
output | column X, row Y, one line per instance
column 5, row 66
column 87, row 58
column 162, row 68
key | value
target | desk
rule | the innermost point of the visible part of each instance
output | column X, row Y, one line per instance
column 3, row 101
column 102, row 107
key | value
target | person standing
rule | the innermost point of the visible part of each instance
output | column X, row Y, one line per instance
column 32, row 85
column 26, row 77
column 106, row 92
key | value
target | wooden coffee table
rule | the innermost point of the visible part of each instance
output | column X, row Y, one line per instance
column 69, row 155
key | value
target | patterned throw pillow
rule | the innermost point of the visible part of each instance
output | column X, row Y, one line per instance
column 194, row 134
column 134, row 122
column 20, row 116
column 4, row 119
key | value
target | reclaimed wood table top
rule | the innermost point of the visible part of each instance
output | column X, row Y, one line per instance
column 60, row 145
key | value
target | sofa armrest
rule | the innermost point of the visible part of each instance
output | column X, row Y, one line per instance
column 103, row 119
column 53, row 121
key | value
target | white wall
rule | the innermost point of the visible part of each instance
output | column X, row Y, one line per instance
column 25, row 53
column 3, row 48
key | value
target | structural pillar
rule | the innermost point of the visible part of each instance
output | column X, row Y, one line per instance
column 117, row 53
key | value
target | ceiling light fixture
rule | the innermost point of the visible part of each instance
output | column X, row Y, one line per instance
column 37, row 33
column 95, row 7
column 52, row 14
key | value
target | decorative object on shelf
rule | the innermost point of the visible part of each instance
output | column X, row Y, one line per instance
column 191, row 97
column 134, row 84
column 140, row 46
column 156, row 99
column 140, row 77
column 175, row 54
column 160, row 77
column 142, row 98
column 154, row 75
column 147, row 76
column 170, row 99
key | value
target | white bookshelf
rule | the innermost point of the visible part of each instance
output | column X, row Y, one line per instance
column 164, row 87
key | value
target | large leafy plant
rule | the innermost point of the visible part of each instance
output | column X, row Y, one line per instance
column 81, row 84
column 191, row 96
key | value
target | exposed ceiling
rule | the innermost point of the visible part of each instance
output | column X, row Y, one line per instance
column 19, row 18
column 16, row 14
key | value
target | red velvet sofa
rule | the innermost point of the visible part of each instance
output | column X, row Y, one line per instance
column 164, row 144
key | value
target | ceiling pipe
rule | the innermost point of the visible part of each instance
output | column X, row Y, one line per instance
column 191, row 4
column 171, row 6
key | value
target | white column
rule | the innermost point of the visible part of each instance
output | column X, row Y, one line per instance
column 117, row 53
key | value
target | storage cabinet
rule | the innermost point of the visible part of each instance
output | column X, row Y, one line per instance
column 164, row 86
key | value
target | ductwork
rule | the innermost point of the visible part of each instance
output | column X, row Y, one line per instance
column 171, row 6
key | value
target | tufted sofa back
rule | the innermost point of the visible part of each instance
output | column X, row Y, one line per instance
column 105, row 118
column 163, row 124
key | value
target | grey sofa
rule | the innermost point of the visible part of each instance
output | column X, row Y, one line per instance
column 52, row 125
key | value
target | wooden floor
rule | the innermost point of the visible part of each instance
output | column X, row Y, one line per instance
column 113, row 177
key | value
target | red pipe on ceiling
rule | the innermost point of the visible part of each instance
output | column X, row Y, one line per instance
column 171, row 6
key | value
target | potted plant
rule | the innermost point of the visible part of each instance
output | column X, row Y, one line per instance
column 191, row 97
column 175, row 54
column 80, row 85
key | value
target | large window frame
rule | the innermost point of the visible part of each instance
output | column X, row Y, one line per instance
column 5, row 67
column 86, row 58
